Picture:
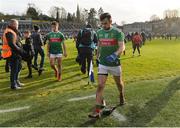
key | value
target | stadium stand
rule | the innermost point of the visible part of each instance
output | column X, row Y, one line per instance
column 67, row 28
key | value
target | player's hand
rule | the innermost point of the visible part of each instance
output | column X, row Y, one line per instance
column 111, row 58
column 65, row 54
column 97, row 62
column 48, row 55
column 97, row 56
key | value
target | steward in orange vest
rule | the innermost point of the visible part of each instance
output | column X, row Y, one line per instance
column 12, row 51
column 10, row 43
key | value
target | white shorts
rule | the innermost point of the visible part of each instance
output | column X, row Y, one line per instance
column 55, row 56
column 105, row 70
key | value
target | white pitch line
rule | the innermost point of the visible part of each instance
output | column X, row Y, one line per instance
column 115, row 114
column 118, row 116
column 14, row 109
column 82, row 98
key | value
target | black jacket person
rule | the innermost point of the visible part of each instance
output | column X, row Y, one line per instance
column 86, row 42
column 29, row 52
column 38, row 49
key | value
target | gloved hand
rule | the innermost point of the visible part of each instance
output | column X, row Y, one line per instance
column 112, row 58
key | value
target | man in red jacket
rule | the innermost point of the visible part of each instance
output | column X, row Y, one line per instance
column 136, row 42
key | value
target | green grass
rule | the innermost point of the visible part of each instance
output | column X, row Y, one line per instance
column 152, row 86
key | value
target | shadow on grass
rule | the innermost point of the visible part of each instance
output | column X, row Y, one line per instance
column 61, row 84
column 36, row 82
column 126, row 58
column 69, row 59
column 16, row 95
column 142, row 116
column 32, row 86
column 72, row 76
column 30, row 116
column 71, row 69
column 69, row 62
column 91, row 121
column 4, row 84
column 39, row 85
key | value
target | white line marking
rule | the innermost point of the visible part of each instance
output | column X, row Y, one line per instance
column 14, row 109
column 115, row 113
column 118, row 116
column 82, row 98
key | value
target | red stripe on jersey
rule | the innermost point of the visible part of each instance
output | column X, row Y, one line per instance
column 55, row 40
column 108, row 42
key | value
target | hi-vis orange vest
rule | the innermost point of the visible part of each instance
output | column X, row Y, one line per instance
column 6, row 50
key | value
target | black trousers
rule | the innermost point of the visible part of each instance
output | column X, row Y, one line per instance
column 15, row 65
column 7, row 65
column 136, row 46
column 29, row 64
column 27, row 57
column 86, row 55
column 41, row 52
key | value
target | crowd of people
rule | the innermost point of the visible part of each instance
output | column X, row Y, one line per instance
column 14, row 51
column 108, row 43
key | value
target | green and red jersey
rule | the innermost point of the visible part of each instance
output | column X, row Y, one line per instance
column 108, row 44
column 56, row 39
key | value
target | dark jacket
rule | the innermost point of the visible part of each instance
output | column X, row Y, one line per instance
column 29, row 49
column 94, row 41
column 37, row 40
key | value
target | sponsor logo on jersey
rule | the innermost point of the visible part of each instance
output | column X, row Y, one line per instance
column 55, row 40
column 108, row 42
